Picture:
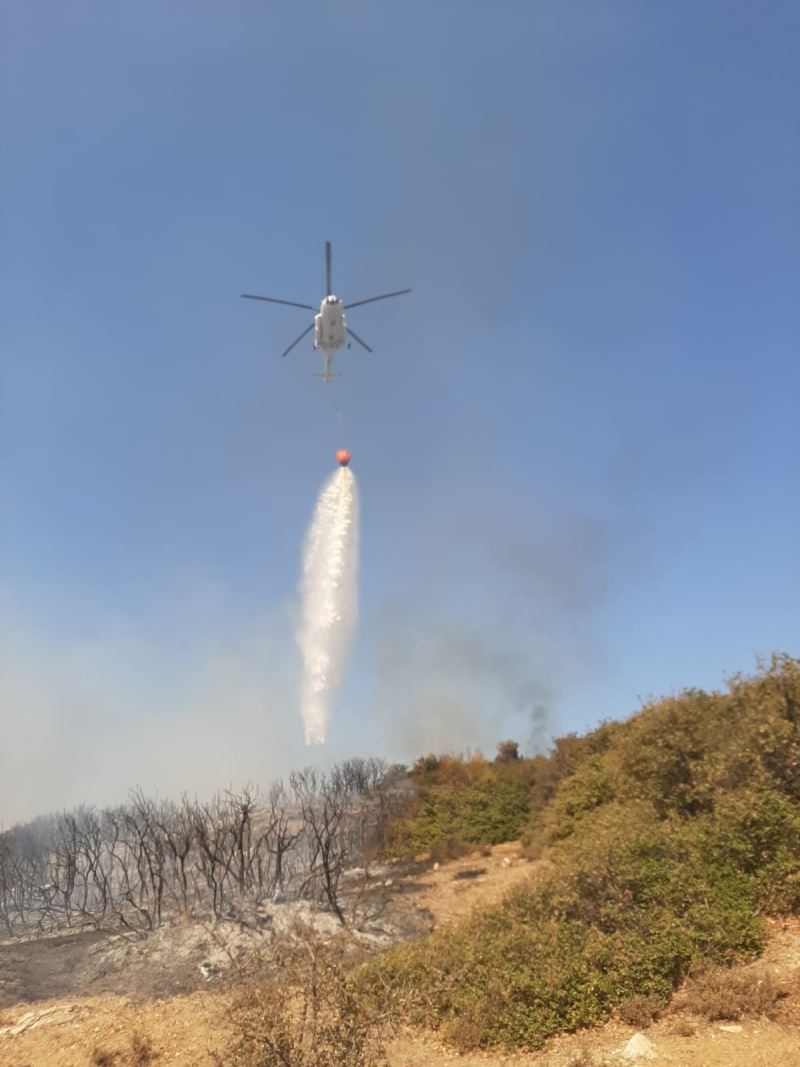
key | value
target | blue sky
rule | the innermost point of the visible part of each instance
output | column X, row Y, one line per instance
column 577, row 440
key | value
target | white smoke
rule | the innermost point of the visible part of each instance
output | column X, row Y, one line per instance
column 329, row 599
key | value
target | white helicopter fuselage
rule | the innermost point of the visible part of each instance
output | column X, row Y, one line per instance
column 330, row 334
column 330, row 327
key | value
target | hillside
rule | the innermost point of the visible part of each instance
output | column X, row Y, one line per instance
column 190, row 1031
column 645, row 877
column 672, row 837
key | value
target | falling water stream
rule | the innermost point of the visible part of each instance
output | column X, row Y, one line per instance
column 329, row 599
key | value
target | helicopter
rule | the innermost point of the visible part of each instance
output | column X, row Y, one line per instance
column 329, row 325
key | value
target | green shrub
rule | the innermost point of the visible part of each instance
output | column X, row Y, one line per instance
column 567, row 953
column 664, row 754
column 670, row 836
column 757, row 833
column 486, row 812
column 584, row 791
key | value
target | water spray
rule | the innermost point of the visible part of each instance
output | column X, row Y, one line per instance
column 329, row 597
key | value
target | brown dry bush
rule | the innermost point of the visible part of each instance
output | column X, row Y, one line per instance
column 102, row 1057
column 719, row 993
column 640, row 1011
column 507, row 751
column 142, row 1051
column 683, row 1027
column 450, row 850
column 315, row 1014
column 464, row 1032
column 584, row 1058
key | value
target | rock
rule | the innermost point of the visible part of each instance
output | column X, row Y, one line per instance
column 436, row 866
column 731, row 1028
column 32, row 1020
column 506, row 862
column 387, row 883
column 638, row 1048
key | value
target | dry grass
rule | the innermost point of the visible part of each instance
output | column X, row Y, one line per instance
column 720, row 994
column 683, row 1027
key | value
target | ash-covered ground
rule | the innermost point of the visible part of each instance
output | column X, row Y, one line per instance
column 187, row 953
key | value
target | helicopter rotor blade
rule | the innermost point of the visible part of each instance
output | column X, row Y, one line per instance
column 297, row 340
column 357, row 338
column 273, row 300
column 327, row 268
column 372, row 299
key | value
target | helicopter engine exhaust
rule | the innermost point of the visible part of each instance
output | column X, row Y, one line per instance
column 329, row 597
